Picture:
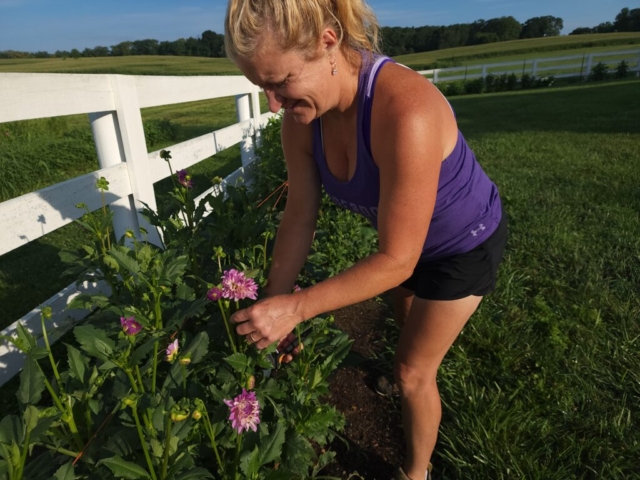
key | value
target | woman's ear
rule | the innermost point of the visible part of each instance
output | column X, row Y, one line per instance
column 329, row 40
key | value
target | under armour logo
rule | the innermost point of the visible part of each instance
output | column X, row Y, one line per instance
column 480, row 228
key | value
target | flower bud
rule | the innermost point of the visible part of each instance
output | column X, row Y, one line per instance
column 196, row 415
column 179, row 415
column 185, row 360
column 129, row 234
column 46, row 313
column 251, row 382
column 130, row 400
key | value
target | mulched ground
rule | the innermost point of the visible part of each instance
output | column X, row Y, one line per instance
column 374, row 440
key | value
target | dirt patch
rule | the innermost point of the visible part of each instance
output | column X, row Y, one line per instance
column 374, row 445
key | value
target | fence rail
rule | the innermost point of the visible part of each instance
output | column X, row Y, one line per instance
column 557, row 66
column 113, row 104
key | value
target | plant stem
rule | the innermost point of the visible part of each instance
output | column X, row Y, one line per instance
column 209, row 429
column 64, row 451
column 237, row 460
column 226, row 325
column 46, row 342
column 139, row 379
column 167, row 446
column 184, row 380
column 158, row 312
column 23, row 455
column 143, row 442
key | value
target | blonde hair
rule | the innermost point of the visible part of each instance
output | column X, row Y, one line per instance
column 298, row 24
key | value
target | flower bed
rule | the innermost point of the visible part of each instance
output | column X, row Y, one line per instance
column 158, row 384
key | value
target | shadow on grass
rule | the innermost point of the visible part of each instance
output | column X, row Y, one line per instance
column 585, row 109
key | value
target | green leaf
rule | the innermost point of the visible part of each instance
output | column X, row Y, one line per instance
column 87, row 302
column 78, row 363
column 296, row 453
column 31, row 383
column 94, row 342
column 271, row 445
column 65, row 472
column 250, row 463
column 141, row 352
column 198, row 347
column 175, row 377
column 30, row 418
column 25, row 336
column 239, row 361
column 185, row 292
column 42, row 427
column 194, row 474
column 38, row 352
column 125, row 261
column 11, row 430
column 175, row 269
column 123, row 469
column 67, row 256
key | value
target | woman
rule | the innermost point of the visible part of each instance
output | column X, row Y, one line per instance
column 383, row 142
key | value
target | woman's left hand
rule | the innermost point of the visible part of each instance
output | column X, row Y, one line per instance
column 268, row 320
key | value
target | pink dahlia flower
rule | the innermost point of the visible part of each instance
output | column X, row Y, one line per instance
column 172, row 351
column 129, row 325
column 184, row 178
column 245, row 411
column 236, row 286
column 214, row 294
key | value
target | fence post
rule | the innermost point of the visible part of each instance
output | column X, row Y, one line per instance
column 243, row 111
column 638, row 67
column 484, row 71
column 534, row 69
column 435, row 75
column 104, row 126
column 134, row 151
column 255, row 113
column 589, row 62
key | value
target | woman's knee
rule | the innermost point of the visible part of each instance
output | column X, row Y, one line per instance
column 412, row 378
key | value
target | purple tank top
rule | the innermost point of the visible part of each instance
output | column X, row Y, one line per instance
column 467, row 209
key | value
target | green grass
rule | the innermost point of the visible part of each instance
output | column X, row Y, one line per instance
column 522, row 49
column 544, row 382
column 129, row 65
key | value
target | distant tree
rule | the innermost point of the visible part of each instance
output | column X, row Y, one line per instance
column 627, row 20
column 482, row 38
column 213, row 44
column 604, row 27
column 144, row 47
column 122, row 49
column 505, row 28
column 42, row 54
column 581, row 31
column 75, row 53
column 61, row 54
column 101, row 51
column 547, row 26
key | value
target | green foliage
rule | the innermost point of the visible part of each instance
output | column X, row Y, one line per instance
column 159, row 131
column 622, row 69
column 527, row 81
column 476, row 85
column 599, row 72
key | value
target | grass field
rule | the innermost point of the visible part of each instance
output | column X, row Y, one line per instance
column 544, row 382
column 523, row 49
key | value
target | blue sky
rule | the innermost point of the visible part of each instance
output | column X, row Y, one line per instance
column 50, row 25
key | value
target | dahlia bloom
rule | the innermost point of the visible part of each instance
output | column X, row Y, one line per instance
column 172, row 351
column 245, row 411
column 184, row 178
column 214, row 294
column 129, row 325
column 236, row 286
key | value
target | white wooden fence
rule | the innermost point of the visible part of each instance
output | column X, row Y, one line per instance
column 558, row 67
column 113, row 103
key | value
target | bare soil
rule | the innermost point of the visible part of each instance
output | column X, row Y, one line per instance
column 374, row 445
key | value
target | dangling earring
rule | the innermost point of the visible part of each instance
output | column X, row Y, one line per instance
column 334, row 68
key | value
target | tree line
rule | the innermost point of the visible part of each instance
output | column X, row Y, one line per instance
column 395, row 40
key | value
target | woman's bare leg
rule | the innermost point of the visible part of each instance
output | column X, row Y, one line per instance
column 427, row 332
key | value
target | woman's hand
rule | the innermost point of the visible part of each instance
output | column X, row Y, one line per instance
column 269, row 320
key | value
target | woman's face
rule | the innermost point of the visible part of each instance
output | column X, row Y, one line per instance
column 304, row 87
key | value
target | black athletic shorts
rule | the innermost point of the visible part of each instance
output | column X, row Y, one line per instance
column 458, row 276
